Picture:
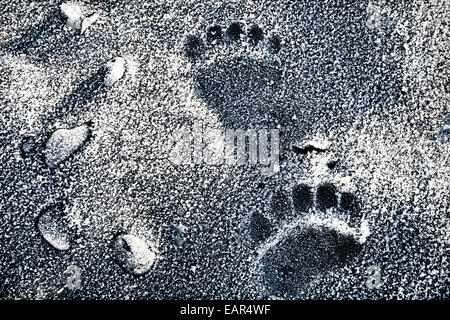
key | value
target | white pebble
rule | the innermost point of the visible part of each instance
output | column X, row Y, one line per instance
column 54, row 229
column 115, row 71
column 133, row 254
column 72, row 12
column 87, row 22
column 63, row 143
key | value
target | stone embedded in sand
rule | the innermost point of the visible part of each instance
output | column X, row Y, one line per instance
column 87, row 22
column 63, row 143
column 133, row 254
column 115, row 71
column 177, row 234
column 72, row 12
column 54, row 229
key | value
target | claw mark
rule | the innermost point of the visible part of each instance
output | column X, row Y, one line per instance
column 307, row 149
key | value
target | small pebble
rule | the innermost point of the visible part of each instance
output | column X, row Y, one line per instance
column 115, row 71
column 54, row 229
column 133, row 254
column 72, row 12
column 63, row 143
column 87, row 22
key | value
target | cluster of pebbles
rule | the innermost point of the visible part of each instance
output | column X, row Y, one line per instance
column 132, row 253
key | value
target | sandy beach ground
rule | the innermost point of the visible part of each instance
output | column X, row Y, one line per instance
column 114, row 183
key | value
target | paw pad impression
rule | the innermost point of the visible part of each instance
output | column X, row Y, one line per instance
column 313, row 230
column 195, row 46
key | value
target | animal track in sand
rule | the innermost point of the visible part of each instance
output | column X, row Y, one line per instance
column 312, row 230
column 244, row 74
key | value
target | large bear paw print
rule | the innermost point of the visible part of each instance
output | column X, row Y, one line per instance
column 311, row 231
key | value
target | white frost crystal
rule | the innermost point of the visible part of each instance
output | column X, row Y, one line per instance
column 87, row 22
column 63, row 143
column 72, row 12
column 133, row 254
column 115, row 71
